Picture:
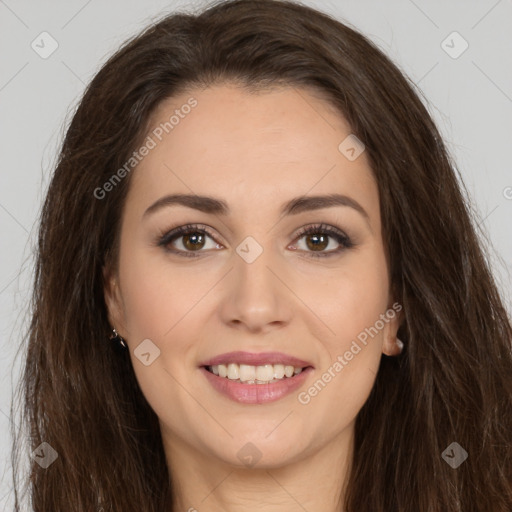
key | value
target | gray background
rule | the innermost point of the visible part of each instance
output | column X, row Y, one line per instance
column 470, row 97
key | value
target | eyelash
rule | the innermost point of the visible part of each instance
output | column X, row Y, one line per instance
column 318, row 229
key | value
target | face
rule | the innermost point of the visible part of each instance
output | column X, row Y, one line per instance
column 245, row 278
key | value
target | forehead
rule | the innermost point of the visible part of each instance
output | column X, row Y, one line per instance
column 255, row 150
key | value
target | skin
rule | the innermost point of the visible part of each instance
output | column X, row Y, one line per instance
column 255, row 151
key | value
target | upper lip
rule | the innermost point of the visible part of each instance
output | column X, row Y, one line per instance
column 258, row 359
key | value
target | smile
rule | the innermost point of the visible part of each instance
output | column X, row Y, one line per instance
column 250, row 374
column 254, row 390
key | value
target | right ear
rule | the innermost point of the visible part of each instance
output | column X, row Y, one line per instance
column 113, row 300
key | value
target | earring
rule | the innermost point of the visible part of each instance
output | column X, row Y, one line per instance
column 400, row 344
column 117, row 339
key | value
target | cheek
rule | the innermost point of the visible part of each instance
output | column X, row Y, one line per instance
column 157, row 295
column 354, row 297
column 351, row 306
column 159, row 301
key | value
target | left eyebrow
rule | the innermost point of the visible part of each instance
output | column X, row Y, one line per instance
column 295, row 206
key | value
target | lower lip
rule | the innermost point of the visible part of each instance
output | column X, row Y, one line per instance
column 256, row 393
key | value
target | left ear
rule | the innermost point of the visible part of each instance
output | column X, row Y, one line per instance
column 391, row 344
column 113, row 301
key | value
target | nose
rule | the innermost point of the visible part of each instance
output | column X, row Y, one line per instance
column 257, row 295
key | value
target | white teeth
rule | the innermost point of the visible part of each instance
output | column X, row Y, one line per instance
column 278, row 371
column 247, row 372
column 255, row 374
column 288, row 370
column 233, row 371
column 265, row 373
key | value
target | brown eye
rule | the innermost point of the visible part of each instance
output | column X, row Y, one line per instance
column 187, row 240
column 193, row 241
column 317, row 242
column 318, row 238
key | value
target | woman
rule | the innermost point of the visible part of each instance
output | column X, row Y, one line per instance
column 254, row 205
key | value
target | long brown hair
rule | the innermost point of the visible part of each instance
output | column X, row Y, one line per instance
column 453, row 381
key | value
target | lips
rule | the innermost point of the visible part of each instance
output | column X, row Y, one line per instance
column 252, row 394
column 254, row 391
column 260, row 359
